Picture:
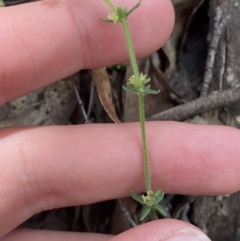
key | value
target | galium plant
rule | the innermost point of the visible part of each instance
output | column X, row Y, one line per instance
column 138, row 84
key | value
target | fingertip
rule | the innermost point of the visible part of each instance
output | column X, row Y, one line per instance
column 151, row 25
column 39, row 235
column 164, row 230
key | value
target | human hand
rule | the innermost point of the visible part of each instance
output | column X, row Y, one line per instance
column 45, row 41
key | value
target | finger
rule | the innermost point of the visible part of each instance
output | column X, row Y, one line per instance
column 163, row 230
column 45, row 41
column 42, row 235
column 49, row 167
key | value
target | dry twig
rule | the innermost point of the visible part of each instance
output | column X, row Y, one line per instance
column 85, row 116
column 126, row 213
column 201, row 105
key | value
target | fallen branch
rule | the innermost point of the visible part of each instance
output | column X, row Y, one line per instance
column 200, row 105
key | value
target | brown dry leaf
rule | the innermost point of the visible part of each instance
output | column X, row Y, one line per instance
column 104, row 89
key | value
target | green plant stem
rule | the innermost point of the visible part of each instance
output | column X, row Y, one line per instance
column 140, row 104
column 131, row 49
column 153, row 215
column 110, row 4
column 144, row 142
column 138, row 84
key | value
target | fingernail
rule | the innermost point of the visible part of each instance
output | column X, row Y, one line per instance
column 187, row 234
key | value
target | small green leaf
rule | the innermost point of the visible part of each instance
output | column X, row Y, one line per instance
column 160, row 209
column 146, row 210
column 157, row 193
column 137, row 198
column 104, row 20
column 146, row 81
column 129, row 89
column 133, row 8
column 158, row 196
column 121, row 11
column 148, row 91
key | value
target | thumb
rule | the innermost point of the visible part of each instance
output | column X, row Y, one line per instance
column 163, row 230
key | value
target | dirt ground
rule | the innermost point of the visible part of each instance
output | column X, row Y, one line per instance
column 197, row 71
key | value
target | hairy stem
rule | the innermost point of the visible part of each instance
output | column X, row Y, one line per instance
column 153, row 215
column 138, row 84
column 110, row 4
column 131, row 49
column 140, row 104
column 144, row 142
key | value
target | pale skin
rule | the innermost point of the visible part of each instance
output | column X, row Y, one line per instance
column 49, row 167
